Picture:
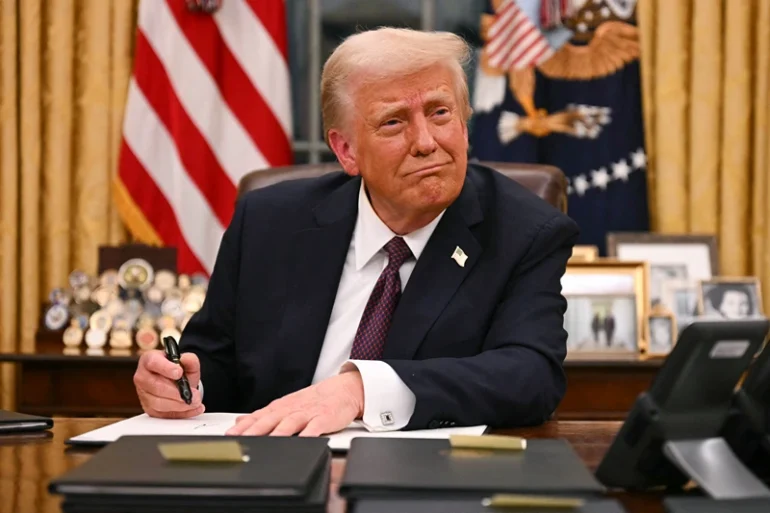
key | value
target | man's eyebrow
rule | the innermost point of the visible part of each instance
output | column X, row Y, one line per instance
column 435, row 97
column 386, row 108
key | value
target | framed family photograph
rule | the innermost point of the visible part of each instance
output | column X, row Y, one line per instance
column 730, row 298
column 606, row 305
column 661, row 332
column 670, row 257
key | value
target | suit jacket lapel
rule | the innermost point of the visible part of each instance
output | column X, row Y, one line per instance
column 318, row 257
column 436, row 276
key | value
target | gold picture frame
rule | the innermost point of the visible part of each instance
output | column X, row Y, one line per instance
column 584, row 253
column 750, row 285
column 670, row 256
column 660, row 338
column 599, row 289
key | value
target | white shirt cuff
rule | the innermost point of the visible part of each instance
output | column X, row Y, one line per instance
column 388, row 402
column 200, row 388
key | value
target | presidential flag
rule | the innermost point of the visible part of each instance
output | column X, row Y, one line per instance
column 208, row 101
column 558, row 82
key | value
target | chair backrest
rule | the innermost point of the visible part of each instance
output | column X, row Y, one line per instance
column 548, row 182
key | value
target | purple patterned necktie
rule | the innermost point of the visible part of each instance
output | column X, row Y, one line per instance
column 373, row 329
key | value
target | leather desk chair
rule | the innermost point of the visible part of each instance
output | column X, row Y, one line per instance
column 548, row 182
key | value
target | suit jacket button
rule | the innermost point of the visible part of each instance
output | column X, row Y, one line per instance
column 433, row 424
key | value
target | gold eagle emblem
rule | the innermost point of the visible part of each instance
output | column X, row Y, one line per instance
column 606, row 42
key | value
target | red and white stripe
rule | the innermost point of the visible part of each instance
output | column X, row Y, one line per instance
column 514, row 41
column 208, row 102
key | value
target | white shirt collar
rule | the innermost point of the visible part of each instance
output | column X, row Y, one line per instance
column 371, row 234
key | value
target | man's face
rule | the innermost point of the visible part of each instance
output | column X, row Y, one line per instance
column 408, row 141
column 735, row 305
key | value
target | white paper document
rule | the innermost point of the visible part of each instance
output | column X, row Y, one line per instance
column 218, row 423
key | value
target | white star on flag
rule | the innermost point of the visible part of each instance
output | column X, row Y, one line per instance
column 580, row 185
column 639, row 159
column 621, row 170
column 600, row 178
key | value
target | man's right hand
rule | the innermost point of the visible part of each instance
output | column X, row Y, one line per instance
column 155, row 381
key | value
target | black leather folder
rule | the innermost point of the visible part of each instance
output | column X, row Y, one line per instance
column 709, row 505
column 12, row 422
column 471, row 506
column 130, row 475
column 411, row 468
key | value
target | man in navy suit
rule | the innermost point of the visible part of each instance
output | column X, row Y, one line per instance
column 412, row 291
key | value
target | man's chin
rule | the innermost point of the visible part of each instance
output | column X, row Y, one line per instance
column 435, row 197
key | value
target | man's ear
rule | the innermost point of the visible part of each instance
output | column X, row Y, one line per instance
column 344, row 151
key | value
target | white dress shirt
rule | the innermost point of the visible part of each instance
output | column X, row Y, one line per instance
column 388, row 402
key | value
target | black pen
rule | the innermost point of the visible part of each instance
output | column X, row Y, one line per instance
column 172, row 355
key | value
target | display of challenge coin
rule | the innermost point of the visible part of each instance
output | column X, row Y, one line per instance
column 121, row 322
column 100, row 320
column 82, row 294
column 166, row 322
column 147, row 338
column 56, row 317
column 200, row 279
column 175, row 294
column 104, row 294
column 120, row 338
column 165, row 280
column 115, row 307
column 172, row 307
column 60, row 296
column 154, row 294
column 192, row 303
column 78, row 279
column 184, row 282
column 82, row 320
column 73, row 335
column 136, row 273
column 96, row 338
column 145, row 320
column 109, row 278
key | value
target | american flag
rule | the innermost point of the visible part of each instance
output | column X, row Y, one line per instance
column 514, row 41
column 208, row 101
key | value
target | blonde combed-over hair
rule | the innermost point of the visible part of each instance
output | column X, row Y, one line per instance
column 388, row 53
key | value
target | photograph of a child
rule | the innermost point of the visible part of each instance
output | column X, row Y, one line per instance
column 661, row 334
column 731, row 300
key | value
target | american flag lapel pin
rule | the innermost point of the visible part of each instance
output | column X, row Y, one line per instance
column 459, row 256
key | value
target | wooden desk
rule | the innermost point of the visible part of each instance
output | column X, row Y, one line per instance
column 52, row 382
column 29, row 462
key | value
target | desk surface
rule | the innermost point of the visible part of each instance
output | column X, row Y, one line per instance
column 29, row 462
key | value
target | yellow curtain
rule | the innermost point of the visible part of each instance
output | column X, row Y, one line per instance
column 706, row 87
column 64, row 72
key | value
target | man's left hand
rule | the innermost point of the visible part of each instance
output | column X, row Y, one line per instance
column 326, row 407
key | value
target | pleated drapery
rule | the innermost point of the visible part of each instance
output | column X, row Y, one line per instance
column 706, row 82
column 64, row 72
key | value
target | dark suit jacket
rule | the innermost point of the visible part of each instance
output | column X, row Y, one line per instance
column 479, row 344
